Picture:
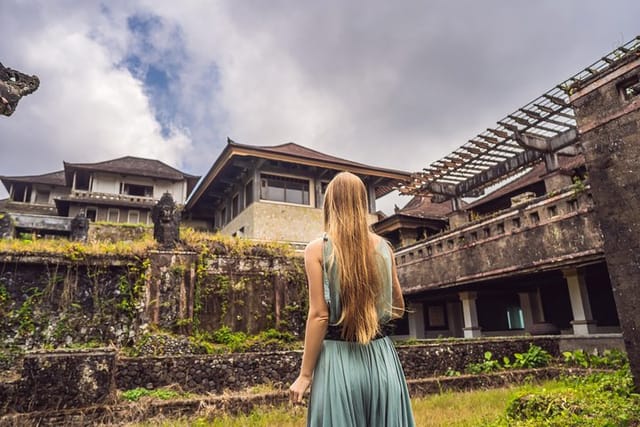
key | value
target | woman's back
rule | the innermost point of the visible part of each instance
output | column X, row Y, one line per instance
column 358, row 384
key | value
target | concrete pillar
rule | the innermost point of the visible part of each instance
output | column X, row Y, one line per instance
column 416, row 320
column 607, row 113
column 527, row 311
column 470, row 314
column 531, row 304
column 556, row 180
column 583, row 323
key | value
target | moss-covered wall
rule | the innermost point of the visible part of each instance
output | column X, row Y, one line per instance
column 49, row 301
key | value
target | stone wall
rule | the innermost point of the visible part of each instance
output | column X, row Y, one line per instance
column 118, row 233
column 607, row 111
column 251, row 293
column 216, row 373
column 69, row 300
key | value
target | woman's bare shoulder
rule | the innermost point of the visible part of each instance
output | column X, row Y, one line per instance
column 314, row 247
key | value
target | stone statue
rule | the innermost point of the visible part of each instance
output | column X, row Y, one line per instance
column 13, row 86
column 80, row 227
column 6, row 226
column 166, row 222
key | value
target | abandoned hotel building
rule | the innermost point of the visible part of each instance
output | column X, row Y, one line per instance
column 525, row 258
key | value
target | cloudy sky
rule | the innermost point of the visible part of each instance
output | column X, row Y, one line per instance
column 396, row 84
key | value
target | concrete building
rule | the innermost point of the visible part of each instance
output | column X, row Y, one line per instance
column 122, row 190
column 530, row 256
column 276, row 192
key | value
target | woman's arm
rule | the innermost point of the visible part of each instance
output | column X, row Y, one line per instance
column 317, row 320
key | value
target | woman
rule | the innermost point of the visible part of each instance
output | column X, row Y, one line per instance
column 353, row 292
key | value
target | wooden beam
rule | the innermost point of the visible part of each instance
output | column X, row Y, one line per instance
column 556, row 100
column 480, row 144
column 500, row 133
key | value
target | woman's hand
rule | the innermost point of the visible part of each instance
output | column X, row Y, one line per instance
column 298, row 389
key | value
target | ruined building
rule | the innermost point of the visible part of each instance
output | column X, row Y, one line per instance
column 529, row 257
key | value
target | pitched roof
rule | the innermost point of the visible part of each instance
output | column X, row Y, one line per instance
column 423, row 207
column 130, row 165
column 295, row 154
column 52, row 178
column 291, row 149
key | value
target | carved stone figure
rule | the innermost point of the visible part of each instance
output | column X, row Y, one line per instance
column 6, row 226
column 80, row 227
column 166, row 222
column 13, row 86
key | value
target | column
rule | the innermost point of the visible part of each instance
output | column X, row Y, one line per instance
column 415, row 312
column 470, row 313
column 583, row 323
column 454, row 318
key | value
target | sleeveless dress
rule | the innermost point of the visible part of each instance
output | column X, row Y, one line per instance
column 358, row 384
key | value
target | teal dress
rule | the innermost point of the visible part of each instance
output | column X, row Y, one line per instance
column 358, row 384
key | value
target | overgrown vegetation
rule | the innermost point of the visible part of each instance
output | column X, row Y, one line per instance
column 164, row 393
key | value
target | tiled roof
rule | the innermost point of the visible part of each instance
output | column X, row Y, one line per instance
column 53, row 178
column 130, row 165
column 295, row 150
column 423, row 207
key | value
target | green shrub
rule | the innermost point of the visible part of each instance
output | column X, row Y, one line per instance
column 488, row 364
column 136, row 394
column 603, row 399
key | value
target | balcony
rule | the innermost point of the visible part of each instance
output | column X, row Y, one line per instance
column 541, row 234
column 112, row 197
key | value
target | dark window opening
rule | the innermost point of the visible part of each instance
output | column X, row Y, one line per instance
column 248, row 193
column 235, row 206
column 92, row 214
column 500, row 228
column 572, row 205
column 515, row 222
column 487, row 232
column 552, row 211
column 82, row 181
column 630, row 88
column 136, row 190
column 534, row 217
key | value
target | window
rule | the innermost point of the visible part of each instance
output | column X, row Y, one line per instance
column 630, row 88
column 42, row 197
column 534, row 217
column 92, row 214
column 248, row 193
column 515, row 319
column 113, row 215
column 552, row 211
column 223, row 216
column 133, row 217
column 136, row 190
column 235, row 206
column 283, row 189
column 516, row 222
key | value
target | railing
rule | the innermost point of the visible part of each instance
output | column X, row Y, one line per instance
column 532, row 213
column 538, row 234
column 81, row 194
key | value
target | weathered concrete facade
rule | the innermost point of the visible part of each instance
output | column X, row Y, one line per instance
column 608, row 117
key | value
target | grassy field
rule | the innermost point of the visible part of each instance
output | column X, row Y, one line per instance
column 601, row 399
column 448, row 409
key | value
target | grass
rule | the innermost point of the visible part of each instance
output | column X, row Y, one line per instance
column 446, row 409
column 598, row 400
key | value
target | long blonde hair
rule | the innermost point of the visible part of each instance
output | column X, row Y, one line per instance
column 345, row 221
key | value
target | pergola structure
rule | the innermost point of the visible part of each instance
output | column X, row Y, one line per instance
column 536, row 132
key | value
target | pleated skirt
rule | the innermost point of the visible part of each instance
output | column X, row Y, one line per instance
column 359, row 385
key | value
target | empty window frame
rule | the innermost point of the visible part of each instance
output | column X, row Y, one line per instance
column 133, row 217
column 284, row 189
column 113, row 215
column 248, row 193
column 235, row 206
column 136, row 190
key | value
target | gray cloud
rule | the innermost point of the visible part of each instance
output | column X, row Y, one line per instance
column 394, row 84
